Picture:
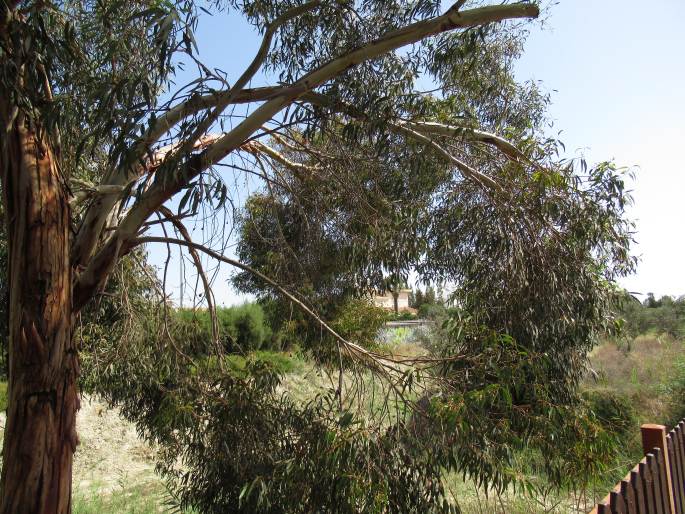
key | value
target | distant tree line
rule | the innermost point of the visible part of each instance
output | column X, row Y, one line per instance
column 429, row 303
column 663, row 315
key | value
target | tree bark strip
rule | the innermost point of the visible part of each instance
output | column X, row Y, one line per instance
column 40, row 435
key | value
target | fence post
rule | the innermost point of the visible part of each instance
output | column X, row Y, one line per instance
column 654, row 436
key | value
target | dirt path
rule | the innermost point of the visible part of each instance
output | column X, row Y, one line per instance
column 110, row 454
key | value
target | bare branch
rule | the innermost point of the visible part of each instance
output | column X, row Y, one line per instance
column 504, row 146
column 219, row 100
column 88, row 191
column 458, row 5
column 256, row 147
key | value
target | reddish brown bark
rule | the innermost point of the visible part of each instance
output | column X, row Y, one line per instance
column 40, row 435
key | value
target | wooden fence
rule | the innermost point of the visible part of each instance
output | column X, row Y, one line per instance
column 657, row 484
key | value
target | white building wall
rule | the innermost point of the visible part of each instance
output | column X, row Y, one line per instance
column 386, row 301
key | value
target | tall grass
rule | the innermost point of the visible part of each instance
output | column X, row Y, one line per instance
column 647, row 373
column 643, row 370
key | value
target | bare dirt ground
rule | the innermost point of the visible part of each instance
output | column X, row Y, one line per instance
column 110, row 454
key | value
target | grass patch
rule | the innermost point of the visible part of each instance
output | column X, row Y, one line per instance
column 142, row 499
column 282, row 362
column 642, row 370
column 3, row 396
column 472, row 499
column 647, row 375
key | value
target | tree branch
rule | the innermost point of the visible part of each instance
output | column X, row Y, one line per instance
column 352, row 350
column 504, row 146
column 209, row 295
column 247, row 75
column 408, row 129
column 94, row 219
column 96, row 216
column 464, row 168
column 220, row 101
column 257, row 147
column 92, row 278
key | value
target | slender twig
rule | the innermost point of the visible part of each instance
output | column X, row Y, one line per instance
column 200, row 270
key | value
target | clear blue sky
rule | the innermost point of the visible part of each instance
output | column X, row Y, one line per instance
column 616, row 73
column 616, row 70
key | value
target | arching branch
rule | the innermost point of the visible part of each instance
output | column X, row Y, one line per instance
column 467, row 133
column 352, row 350
column 409, row 130
column 466, row 170
column 257, row 147
column 101, row 264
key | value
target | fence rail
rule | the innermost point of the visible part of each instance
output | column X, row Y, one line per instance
column 656, row 485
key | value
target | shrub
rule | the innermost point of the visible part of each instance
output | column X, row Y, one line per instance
column 615, row 411
column 431, row 311
column 401, row 316
column 359, row 321
column 242, row 328
column 249, row 327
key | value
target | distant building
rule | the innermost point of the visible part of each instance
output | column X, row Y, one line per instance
column 387, row 301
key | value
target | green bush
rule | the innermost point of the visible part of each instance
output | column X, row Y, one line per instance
column 402, row 316
column 359, row 321
column 242, row 328
column 246, row 327
column 431, row 311
column 615, row 411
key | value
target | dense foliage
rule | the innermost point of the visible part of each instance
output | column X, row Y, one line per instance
column 231, row 443
column 369, row 177
column 241, row 328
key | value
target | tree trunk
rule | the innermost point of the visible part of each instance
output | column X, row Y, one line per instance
column 40, row 434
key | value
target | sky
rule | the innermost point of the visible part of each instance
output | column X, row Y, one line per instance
column 615, row 70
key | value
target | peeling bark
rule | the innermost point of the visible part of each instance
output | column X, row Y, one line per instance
column 40, row 435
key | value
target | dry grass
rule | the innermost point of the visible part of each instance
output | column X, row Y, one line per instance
column 641, row 370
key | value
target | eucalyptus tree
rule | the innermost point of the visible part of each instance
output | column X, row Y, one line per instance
column 98, row 141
